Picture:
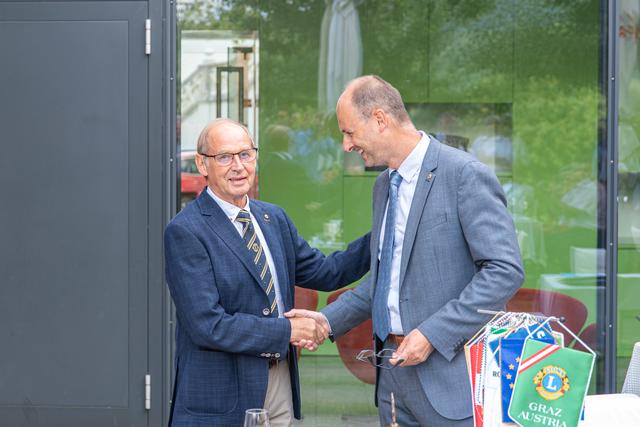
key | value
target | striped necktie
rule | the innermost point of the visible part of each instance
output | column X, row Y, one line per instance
column 381, row 320
column 252, row 243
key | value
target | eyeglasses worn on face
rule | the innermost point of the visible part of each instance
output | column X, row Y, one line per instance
column 383, row 357
column 225, row 159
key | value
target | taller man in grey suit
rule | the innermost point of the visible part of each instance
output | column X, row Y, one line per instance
column 443, row 245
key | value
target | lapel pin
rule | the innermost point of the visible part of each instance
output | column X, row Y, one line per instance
column 266, row 218
column 429, row 176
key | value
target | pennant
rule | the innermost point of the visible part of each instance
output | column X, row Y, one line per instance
column 475, row 372
column 551, row 385
column 492, row 401
column 510, row 350
column 559, row 336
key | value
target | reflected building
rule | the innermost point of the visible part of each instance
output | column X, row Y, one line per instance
column 500, row 80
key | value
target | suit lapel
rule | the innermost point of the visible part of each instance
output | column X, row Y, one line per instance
column 380, row 197
column 423, row 186
column 268, row 226
column 224, row 229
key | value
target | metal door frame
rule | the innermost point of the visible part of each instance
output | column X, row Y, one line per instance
column 611, row 257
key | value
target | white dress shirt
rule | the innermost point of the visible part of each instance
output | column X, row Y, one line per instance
column 231, row 211
column 409, row 170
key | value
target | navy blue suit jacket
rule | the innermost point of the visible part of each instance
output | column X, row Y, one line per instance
column 223, row 340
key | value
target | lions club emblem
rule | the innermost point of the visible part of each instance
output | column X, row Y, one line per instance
column 551, row 382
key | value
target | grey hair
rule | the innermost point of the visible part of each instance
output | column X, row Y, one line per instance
column 203, row 139
column 371, row 92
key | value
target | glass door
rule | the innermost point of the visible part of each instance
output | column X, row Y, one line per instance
column 516, row 84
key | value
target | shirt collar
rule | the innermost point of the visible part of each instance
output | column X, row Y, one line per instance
column 229, row 209
column 410, row 168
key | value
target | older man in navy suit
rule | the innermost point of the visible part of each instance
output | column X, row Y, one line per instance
column 231, row 266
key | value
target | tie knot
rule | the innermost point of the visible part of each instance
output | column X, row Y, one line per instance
column 396, row 179
column 243, row 216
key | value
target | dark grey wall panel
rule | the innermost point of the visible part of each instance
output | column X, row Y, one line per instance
column 67, row 155
column 74, row 220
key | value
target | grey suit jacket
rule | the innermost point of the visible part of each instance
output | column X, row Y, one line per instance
column 460, row 254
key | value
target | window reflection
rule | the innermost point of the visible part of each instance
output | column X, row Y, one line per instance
column 515, row 84
column 191, row 182
column 218, row 78
column 628, row 186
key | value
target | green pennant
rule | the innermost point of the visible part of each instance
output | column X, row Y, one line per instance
column 550, row 386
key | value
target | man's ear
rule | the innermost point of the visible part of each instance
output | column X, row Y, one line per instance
column 381, row 118
column 200, row 164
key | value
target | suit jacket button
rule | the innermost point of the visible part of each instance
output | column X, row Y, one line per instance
column 265, row 311
column 268, row 354
column 277, row 355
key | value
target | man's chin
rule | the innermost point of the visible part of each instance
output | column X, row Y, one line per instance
column 241, row 190
column 371, row 164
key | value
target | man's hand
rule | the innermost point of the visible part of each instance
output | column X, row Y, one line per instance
column 415, row 348
column 322, row 326
column 306, row 331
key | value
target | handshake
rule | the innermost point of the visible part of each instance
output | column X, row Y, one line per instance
column 309, row 329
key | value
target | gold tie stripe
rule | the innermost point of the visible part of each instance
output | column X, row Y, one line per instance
column 259, row 258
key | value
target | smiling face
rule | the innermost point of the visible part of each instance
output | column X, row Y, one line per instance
column 360, row 134
column 233, row 182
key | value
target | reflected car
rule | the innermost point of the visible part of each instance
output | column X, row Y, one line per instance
column 191, row 182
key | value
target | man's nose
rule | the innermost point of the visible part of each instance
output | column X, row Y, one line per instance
column 346, row 144
column 236, row 164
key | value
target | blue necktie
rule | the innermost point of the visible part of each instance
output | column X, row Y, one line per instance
column 381, row 320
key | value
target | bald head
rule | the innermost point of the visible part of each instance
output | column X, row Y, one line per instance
column 367, row 93
column 215, row 127
column 374, row 122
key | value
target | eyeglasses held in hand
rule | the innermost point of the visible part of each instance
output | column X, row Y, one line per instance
column 379, row 359
column 225, row 159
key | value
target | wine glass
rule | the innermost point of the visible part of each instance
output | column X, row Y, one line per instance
column 256, row 418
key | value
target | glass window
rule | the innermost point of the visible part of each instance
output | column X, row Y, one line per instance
column 628, row 186
column 517, row 84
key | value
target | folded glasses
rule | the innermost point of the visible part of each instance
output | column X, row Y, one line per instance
column 379, row 359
